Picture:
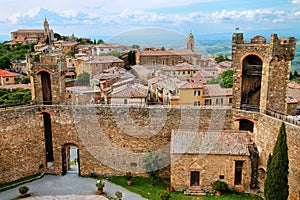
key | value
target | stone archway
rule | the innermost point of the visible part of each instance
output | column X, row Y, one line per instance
column 251, row 81
column 70, row 159
column 46, row 87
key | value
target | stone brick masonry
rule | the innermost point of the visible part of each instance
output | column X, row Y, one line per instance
column 111, row 144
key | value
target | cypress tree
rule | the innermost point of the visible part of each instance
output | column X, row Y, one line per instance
column 276, row 184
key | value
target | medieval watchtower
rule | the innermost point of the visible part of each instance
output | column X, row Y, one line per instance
column 261, row 72
column 190, row 43
column 47, row 79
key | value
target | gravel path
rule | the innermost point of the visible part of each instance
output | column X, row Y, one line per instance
column 70, row 186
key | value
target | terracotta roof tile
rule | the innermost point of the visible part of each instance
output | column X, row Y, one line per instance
column 226, row 143
column 130, row 91
column 4, row 73
column 216, row 90
column 192, row 85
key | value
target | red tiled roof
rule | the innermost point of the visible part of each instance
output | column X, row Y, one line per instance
column 130, row 92
column 215, row 90
column 225, row 143
column 4, row 73
column 192, row 85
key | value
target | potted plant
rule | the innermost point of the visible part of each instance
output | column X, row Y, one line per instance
column 23, row 190
column 128, row 177
column 100, row 185
column 219, row 187
column 118, row 195
column 164, row 195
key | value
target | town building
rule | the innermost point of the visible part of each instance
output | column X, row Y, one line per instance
column 7, row 77
column 153, row 56
column 95, row 65
column 33, row 35
column 129, row 94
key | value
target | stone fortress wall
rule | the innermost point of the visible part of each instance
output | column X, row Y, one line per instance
column 111, row 144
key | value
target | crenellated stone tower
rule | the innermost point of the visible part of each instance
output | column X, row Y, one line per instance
column 261, row 72
column 47, row 78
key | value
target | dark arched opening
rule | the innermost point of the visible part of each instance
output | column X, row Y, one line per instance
column 48, row 137
column 251, row 81
column 46, row 87
column 246, row 125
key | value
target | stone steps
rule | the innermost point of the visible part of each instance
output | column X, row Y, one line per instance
column 195, row 191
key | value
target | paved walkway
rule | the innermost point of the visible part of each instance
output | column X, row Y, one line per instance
column 68, row 187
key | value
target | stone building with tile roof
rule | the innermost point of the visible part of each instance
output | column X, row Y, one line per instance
column 7, row 77
column 33, row 35
column 200, row 158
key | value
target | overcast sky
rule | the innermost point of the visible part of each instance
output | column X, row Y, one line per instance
column 86, row 18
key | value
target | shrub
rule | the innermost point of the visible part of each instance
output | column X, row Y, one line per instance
column 23, row 189
column 164, row 195
column 100, row 184
column 128, row 176
column 219, row 186
column 118, row 194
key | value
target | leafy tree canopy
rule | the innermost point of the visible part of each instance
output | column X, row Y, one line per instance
column 100, row 41
column 16, row 96
column 152, row 163
column 225, row 79
column 276, row 184
column 83, row 79
column 5, row 62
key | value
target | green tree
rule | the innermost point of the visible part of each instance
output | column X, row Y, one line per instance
column 70, row 53
column 219, row 58
column 36, row 58
column 83, row 79
column 152, row 165
column 276, row 184
column 100, row 41
column 5, row 62
column 136, row 46
column 111, row 53
column 131, row 58
column 295, row 73
column 226, row 78
column 57, row 36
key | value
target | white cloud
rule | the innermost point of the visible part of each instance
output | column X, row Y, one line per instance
column 67, row 13
column 14, row 19
column 296, row 1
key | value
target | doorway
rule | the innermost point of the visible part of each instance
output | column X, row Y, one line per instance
column 46, row 87
column 70, row 159
column 195, row 178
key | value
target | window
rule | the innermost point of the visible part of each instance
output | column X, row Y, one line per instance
column 183, row 72
column 230, row 100
column 221, row 177
column 207, row 102
column 163, row 62
column 133, row 164
column 197, row 93
column 219, row 101
column 153, row 62
column 238, row 172
column 189, row 72
column 125, row 101
column 196, row 103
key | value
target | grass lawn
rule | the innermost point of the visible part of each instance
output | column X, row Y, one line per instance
column 143, row 187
